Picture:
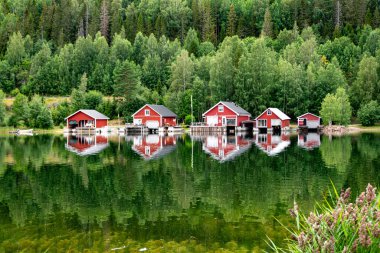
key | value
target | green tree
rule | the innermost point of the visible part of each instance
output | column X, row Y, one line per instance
column 368, row 113
column 20, row 110
column 343, row 107
column 45, row 119
column 2, row 108
column 366, row 86
column 336, row 108
column 231, row 21
column 35, row 108
column 267, row 29
column 329, row 109
column 93, row 99
column 78, row 96
column 192, row 42
column 126, row 78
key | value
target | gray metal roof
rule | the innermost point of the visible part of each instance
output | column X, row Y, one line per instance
column 235, row 108
column 232, row 106
column 162, row 110
column 92, row 113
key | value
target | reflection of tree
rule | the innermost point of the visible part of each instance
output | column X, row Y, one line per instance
column 167, row 198
column 336, row 153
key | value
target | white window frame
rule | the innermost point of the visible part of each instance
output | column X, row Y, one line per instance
column 269, row 112
column 262, row 125
column 220, row 108
column 147, row 112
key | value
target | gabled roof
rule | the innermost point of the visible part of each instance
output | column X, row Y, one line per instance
column 160, row 109
column 92, row 113
column 308, row 113
column 276, row 111
column 232, row 106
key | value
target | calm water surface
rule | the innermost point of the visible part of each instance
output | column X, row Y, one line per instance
column 174, row 192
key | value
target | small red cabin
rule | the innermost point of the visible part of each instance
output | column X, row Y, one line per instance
column 226, row 114
column 309, row 120
column 86, row 118
column 272, row 119
column 154, row 116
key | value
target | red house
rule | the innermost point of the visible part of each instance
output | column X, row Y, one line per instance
column 273, row 119
column 309, row 120
column 226, row 114
column 154, row 116
column 224, row 148
column 272, row 144
column 86, row 118
column 153, row 146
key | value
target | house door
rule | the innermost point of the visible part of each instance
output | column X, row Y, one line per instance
column 224, row 121
column 304, row 122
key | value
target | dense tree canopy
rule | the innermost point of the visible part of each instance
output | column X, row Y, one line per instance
column 285, row 54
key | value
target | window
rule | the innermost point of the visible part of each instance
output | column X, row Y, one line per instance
column 220, row 108
column 147, row 150
column 269, row 112
column 262, row 123
column 147, row 112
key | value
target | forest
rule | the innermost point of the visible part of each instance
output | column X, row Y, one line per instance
column 117, row 55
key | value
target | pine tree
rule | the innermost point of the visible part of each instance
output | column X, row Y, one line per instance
column 267, row 25
column 116, row 17
column 2, row 107
column 126, row 76
column 104, row 20
column 231, row 21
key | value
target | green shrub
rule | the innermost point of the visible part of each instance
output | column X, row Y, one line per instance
column 368, row 113
column 15, row 92
column 338, row 225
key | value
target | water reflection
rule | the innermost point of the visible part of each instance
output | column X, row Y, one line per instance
column 272, row 144
column 153, row 146
column 225, row 148
column 115, row 198
column 85, row 145
column 309, row 140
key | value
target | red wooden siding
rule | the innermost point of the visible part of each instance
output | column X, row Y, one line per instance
column 284, row 123
column 308, row 117
column 228, row 113
column 154, row 116
column 80, row 116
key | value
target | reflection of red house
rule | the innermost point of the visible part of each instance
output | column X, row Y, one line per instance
column 309, row 140
column 309, row 120
column 226, row 114
column 154, row 116
column 273, row 118
column 153, row 146
column 272, row 144
column 86, row 144
column 83, row 118
column 224, row 148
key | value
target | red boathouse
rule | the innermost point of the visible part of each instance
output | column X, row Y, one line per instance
column 86, row 118
column 154, row 116
column 309, row 120
column 226, row 114
column 273, row 119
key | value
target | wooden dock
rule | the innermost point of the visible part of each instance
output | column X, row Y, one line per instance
column 208, row 129
column 136, row 129
column 84, row 130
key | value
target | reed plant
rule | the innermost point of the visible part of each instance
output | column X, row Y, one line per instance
column 337, row 225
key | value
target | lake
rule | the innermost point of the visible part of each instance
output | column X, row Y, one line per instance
column 169, row 193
